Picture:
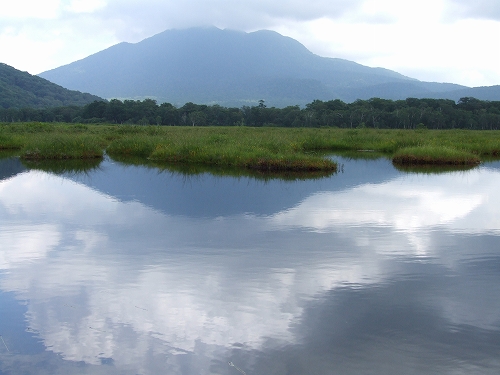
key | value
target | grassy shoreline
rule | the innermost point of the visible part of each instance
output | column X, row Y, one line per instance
column 433, row 155
column 264, row 149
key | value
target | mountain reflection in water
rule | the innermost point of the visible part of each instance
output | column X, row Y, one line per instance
column 130, row 271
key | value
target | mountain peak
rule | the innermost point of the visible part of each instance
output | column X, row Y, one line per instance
column 212, row 65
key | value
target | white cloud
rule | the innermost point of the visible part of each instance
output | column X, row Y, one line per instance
column 39, row 45
column 478, row 9
column 431, row 50
column 29, row 9
column 85, row 6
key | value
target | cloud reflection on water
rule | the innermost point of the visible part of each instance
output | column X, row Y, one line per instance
column 106, row 279
column 404, row 204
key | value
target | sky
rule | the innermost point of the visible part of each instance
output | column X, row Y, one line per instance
column 453, row 41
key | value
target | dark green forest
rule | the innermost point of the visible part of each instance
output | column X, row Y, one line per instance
column 467, row 113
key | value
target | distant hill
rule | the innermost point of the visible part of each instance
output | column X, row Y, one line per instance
column 491, row 93
column 232, row 68
column 22, row 90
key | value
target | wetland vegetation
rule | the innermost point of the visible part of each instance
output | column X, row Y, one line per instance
column 412, row 113
column 262, row 148
column 434, row 155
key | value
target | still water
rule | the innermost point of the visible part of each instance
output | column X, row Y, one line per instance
column 131, row 270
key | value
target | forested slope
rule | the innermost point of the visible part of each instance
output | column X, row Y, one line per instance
column 22, row 90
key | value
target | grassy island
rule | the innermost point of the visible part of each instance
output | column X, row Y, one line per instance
column 262, row 148
column 433, row 155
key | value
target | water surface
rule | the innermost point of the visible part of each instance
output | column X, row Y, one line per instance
column 129, row 270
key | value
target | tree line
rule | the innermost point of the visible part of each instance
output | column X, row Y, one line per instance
column 412, row 113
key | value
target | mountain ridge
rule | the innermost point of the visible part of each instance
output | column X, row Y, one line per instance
column 22, row 90
column 228, row 67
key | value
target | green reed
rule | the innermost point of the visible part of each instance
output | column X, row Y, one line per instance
column 62, row 146
column 267, row 148
column 441, row 155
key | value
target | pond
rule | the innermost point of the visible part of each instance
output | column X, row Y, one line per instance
column 125, row 269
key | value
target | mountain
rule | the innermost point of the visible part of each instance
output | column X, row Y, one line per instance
column 491, row 93
column 209, row 65
column 22, row 90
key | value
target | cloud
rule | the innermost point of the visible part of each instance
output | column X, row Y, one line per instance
column 482, row 9
column 457, row 52
column 36, row 45
column 84, row 6
column 28, row 9
column 142, row 19
column 47, row 9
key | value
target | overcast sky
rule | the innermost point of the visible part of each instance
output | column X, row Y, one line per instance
column 454, row 41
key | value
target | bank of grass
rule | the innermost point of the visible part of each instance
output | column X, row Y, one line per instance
column 10, row 142
column 259, row 149
column 138, row 146
column 61, row 147
column 434, row 155
column 267, row 148
column 258, row 158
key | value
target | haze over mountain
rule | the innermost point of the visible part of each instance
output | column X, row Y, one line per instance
column 23, row 90
column 209, row 65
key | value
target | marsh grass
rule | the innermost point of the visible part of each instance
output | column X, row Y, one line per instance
column 429, row 155
column 258, row 158
column 62, row 146
column 258, row 149
column 10, row 142
column 262, row 149
column 139, row 146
